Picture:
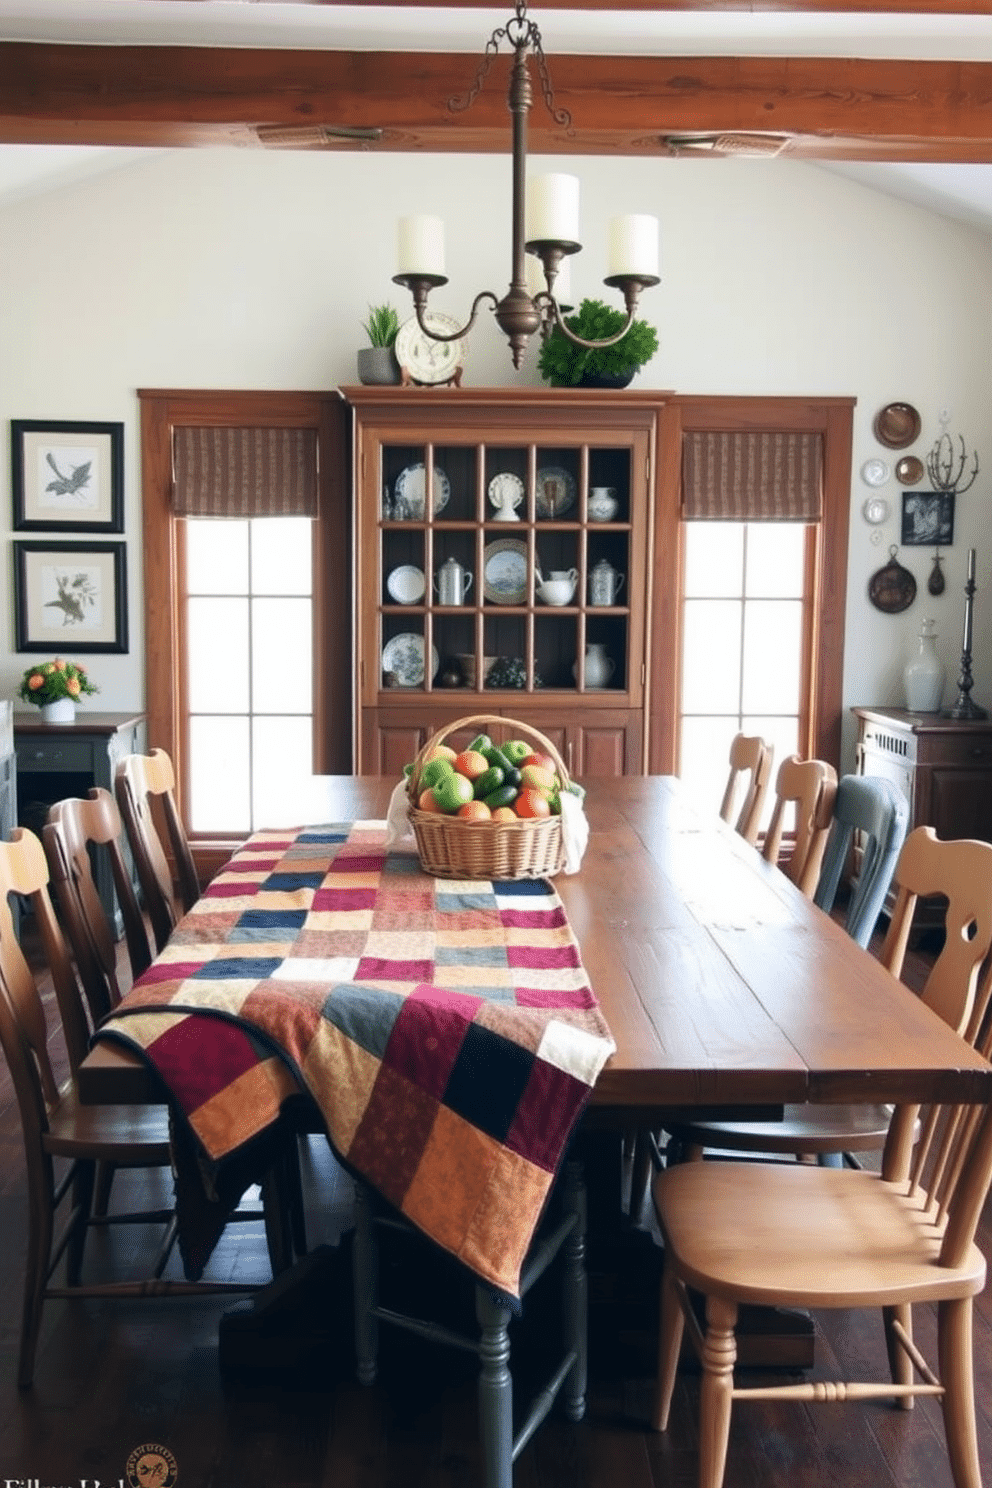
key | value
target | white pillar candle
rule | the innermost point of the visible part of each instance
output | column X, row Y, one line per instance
column 971, row 563
column 420, row 245
column 633, row 245
column 563, row 279
column 552, row 209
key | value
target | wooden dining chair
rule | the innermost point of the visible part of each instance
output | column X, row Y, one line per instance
column 791, row 1235
column 962, row 873
column 811, row 786
column 75, row 829
column 140, row 782
column 59, row 1131
column 751, row 768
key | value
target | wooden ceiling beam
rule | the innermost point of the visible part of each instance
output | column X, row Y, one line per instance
column 189, row 96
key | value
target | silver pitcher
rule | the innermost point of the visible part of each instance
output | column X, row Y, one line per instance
column 452, row 582
column 605, row 583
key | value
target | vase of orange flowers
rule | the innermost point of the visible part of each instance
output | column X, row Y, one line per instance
column 55, row 687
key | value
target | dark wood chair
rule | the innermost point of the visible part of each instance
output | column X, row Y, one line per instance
column 751, row 770
column 60, row 1133
column 140, row 782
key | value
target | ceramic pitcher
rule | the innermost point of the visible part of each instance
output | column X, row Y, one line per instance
column 605, row 583
column 599, row 666
column 452, row 582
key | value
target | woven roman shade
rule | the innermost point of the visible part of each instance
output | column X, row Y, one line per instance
column 218, row 472
column 764, row 476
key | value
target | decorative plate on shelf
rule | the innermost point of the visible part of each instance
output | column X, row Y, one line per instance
column 426, row 360
column 909, row 470
column 555, row 491
column 896, row 425
column 404, row 657
column 505, row 571
column 411, row 488
column 406, row 584
column 874, row 472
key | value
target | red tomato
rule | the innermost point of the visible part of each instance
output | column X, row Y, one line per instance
column 471, row 764
column 531, row 802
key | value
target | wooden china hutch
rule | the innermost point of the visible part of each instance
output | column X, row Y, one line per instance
column 454, row 612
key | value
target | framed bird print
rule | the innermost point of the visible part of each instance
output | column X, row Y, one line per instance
column 70, row 597
column 67, row 477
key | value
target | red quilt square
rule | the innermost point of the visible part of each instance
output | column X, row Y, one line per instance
column 547, row 1110
column 426, row 1038
column 388, row 1146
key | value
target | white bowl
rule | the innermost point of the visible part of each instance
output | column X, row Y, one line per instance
column 556, row 591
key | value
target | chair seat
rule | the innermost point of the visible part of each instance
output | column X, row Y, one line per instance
column 812, row 1129
column 128, row 1136
column 770, row 1234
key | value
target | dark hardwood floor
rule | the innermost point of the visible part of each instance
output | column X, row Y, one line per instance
column 243, row 1411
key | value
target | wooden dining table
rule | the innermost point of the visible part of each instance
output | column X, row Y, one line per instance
column 721, row 984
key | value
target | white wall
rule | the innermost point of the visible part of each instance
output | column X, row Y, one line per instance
column 202, row 269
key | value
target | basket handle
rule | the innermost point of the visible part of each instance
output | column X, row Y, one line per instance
column 475, row 721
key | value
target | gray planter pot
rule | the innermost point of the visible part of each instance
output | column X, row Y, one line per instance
column 377, row 366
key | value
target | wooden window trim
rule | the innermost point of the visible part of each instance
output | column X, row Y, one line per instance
column 826, row 557
column 162, row 542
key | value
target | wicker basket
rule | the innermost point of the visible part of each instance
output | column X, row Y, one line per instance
column 452, row 847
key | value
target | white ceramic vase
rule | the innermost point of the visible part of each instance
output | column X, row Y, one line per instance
column 924, row 675
column 599, row 666
column 63, row 710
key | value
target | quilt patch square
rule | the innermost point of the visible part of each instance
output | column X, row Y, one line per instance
column 245, row 968
column 392, row 1134
column 487, row 1080
column 286, row 920
column 426, row 1039
column 365, row 1014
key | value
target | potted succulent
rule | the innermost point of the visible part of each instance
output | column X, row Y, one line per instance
column 377, row 364
column 55, row 687
column 564, row 364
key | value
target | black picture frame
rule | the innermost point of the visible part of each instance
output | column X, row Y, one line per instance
column 67, row 476
column 70, row 597
column 927, row 519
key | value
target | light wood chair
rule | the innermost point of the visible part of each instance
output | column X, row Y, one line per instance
column 139, row 781
column 960, row 871
column 789, row 1235
column 57, row 1129
column 751, row 766
column 811, row 786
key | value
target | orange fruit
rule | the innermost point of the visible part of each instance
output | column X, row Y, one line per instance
column 536, row 758
column 426, row 801
column 441, row 751
column 475, row 811
column 504, row 814
column 531, row 802
column 537, row 776
column 471, row 764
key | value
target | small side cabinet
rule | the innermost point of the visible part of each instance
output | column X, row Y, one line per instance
column 59, row 760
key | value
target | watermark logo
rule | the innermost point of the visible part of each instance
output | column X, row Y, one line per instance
column 151, row 1466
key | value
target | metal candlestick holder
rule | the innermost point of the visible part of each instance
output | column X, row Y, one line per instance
column 963, row 707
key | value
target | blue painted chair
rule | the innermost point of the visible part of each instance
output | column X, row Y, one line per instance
column 880, row 812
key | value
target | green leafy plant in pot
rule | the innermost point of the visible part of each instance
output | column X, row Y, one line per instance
column 563, row 364
column 377, row 364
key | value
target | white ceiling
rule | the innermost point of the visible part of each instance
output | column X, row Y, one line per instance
column 963, row 192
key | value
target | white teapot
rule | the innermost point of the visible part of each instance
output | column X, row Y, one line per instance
column 559, row 586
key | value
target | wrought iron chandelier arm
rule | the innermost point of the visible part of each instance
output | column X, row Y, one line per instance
column 544, row 298
column 485, row 294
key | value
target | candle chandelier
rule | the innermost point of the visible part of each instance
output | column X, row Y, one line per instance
column 550, row 231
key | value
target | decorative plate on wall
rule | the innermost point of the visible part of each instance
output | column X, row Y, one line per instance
column 909, row 470
column 892, row 588
column 876, row 510
column 896, row 425
column 874, row 472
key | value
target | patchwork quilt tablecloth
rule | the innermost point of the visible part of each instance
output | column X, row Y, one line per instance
column 446, row 1030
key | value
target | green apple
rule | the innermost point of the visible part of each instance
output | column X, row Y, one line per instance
column 516, row 750
column 452, row 791
column 435, row 770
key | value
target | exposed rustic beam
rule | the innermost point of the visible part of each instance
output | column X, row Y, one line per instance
column 828, row 107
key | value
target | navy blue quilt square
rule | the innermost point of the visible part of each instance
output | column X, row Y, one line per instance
column 521, row 887
column 324, row 834
column 488, row 1080
column 289, row 883
column 272, row 919
column 239, row 968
